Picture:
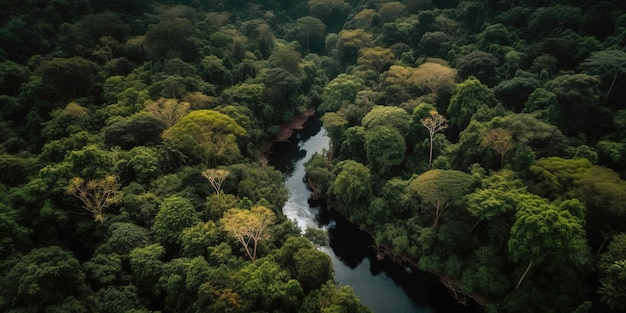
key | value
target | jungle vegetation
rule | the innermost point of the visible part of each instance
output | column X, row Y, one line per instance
column 480, row 140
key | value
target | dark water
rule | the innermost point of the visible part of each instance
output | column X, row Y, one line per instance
column 381, row 285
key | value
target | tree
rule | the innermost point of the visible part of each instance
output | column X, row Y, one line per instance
column 141, row 129
column 442, row 189
column 612, row 266
column 249, row 226
column 169, row 37
column 313, row 268
column 330, row 12
column 68, row 78
column 343, row 88
column 385, row 148
column 400, row 80
column 350, row 43
column 41, row 279
column 107, row 48
column 500, row 140
column 479, row 64
column 435, row 74
column 281, row 89
column 96, row 195
column 553, row 20
column 258, row 183
column 390, row 11
column 389, row 116
column 216, row 177
column 376, row 57
column 175, row 214
column 544, row 234
column 609, row 65
column 308, row 27
column 352, row 186
column 499, row 194
column 434, row 123
column 168, row 111
column 577, row 95
column 469, row 97
column 146, row 266
column 287, row 59
column 207, row 135
column 513, row 93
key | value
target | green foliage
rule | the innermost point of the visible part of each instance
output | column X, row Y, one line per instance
column 175, row 214
column 256, row 183
column 441, row 189
column 500, row 194
column 385, row 148
column 206, row 135
column 139, row 130
column 68, row 78
column 42, row 278
column 313, row 268
column 352, row 185
column 541, row 227
column 387, row 116
column 80, row 85
column 146, row 266
column 612, row 266
column 319, row 173
column 342, row 88
column 469, row 97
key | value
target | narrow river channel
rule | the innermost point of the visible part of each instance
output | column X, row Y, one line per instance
column 381, row 285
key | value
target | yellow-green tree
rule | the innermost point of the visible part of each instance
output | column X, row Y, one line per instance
column 96, row 195
column 435, row 74
column 207, row 135
column 376, row 57
column 249, row 226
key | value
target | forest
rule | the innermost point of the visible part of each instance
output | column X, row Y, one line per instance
column 479, row 140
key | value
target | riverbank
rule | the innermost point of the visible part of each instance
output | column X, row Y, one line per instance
column 285, row 132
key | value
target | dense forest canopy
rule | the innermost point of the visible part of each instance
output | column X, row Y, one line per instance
column 480, row 140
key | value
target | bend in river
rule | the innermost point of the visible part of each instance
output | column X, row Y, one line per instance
column 381, row 285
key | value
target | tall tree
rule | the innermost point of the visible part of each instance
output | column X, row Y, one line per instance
column 309, row 27
column 216, row 177
column 434, row 123
column 441, row 189
column 249, row 226
column 96, row 195
column 500, row 140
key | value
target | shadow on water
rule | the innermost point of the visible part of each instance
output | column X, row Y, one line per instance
column 381, row 285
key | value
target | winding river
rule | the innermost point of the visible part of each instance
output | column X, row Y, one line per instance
column 381, row 285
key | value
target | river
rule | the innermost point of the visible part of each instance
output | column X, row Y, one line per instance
column 381, row 285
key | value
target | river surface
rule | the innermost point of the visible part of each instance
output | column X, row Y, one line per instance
column 381, row 285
